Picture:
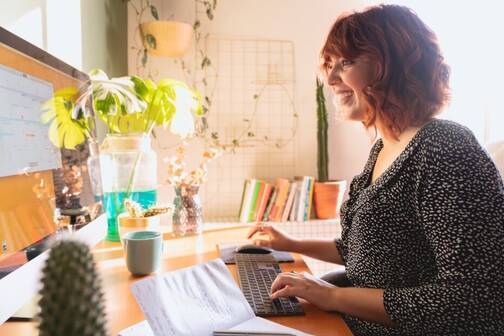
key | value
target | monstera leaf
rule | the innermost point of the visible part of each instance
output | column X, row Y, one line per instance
column 64, row 131
column 125, row 105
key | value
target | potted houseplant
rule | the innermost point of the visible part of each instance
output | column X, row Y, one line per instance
column 130, row 107
column 327, row 194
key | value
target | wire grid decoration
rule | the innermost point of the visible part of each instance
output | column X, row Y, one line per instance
column 253, row 111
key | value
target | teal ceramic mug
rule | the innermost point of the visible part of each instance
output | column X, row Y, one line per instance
column 143, row 251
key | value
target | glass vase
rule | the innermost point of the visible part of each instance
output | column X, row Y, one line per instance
column 187, row 212
column 129, row 170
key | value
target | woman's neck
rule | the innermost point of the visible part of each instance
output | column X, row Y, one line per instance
column 400, row 141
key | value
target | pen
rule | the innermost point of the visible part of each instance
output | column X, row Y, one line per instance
column 251, row 333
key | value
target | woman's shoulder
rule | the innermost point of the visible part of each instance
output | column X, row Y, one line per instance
column 446, row 131
column 446, row 146
column 446, row 138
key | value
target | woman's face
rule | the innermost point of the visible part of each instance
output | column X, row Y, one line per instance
column 348, row 79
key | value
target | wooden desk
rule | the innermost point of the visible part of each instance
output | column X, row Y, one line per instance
column 123, row 311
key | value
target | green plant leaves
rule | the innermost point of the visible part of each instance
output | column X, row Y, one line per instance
column 151, row 41
column 144, row 58
column 125, row 105
column 140, row 87
column 154, row 12
column 205, row 62
column 64, row 131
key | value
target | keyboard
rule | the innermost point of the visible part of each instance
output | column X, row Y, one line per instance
column 256, row 273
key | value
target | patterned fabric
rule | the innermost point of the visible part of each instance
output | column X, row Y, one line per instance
column 430, row 232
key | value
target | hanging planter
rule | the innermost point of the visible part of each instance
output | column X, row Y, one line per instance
column 166, row 38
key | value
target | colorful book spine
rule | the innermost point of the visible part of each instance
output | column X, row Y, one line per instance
column 302, row 199
column 290, row 200
column 295, row 202
column 245, row 184
column 245, row 201
column 264, row 201
column 271, row 200
column 283, row 189
column 253, row 203
column 308, row 200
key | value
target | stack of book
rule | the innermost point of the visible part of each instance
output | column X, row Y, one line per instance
column 278, row 201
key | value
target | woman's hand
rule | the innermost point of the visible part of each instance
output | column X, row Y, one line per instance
column 276, row 239
column 306, row 286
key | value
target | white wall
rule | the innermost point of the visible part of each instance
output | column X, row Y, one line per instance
column 306, row 23
column 52, row 25
column 83, row 33
column 469, row 36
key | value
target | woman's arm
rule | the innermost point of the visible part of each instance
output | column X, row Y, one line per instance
column 322, row 249
column 364, row 303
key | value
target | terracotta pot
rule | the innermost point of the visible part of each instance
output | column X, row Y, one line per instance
column 328, row 197
column 172, row 38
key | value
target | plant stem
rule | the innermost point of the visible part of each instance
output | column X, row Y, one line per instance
column 147, row 134
column 322, row 152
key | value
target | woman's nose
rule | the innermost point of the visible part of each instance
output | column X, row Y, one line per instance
column 334, row 77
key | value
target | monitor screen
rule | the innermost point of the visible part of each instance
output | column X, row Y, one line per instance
column 43, row 188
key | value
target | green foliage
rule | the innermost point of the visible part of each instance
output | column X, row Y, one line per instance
column 154, row 12
column 71, row 297
column 151, row 41
column 322, row 125
column 125, row 105
column 65, row 131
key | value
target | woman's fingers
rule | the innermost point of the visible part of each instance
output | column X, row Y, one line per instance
column 259, row 227
column 252, row 231
column 262, row 242
column 282, row 280
column 283, row 292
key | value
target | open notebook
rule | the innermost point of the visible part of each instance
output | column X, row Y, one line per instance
column 197, row 300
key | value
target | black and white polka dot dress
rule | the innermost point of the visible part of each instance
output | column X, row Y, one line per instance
column 430, row 232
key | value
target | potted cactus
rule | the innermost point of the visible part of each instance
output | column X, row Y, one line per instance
column 71, row 300
column 327, row 194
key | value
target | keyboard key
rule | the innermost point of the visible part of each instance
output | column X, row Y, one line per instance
column 256, row 273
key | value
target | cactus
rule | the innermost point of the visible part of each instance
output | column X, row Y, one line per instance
column 322, row 152
column 71, row 297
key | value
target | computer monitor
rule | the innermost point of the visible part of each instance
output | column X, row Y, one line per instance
column 42, row 187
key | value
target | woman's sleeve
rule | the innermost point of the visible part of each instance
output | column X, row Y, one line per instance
column 342, row 249
column 461, row 209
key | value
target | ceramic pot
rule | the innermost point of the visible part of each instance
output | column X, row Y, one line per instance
column 328, row 197
column 167, row 38
column 129, row 224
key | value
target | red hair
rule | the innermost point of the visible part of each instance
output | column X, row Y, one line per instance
column 411, row 83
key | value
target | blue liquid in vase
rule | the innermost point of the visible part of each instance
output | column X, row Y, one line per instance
column 114, row 205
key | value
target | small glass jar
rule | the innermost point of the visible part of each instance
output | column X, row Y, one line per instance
column 93, row 163
column 187, row 212
column 129, row 224
column 129, row 170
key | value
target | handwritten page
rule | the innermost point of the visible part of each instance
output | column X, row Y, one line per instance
column 192, row 301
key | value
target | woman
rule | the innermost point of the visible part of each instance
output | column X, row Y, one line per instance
column 423, row 228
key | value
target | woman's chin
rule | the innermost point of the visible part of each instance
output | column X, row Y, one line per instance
column 348, row 114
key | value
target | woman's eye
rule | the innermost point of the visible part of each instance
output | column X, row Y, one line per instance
column 328, row 66
column 345, row 63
